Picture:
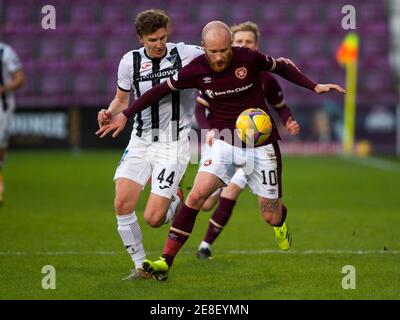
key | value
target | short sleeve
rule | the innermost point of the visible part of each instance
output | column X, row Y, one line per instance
column 124, row 75
column 11, row 58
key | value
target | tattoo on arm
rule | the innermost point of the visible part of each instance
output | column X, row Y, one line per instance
column 270, row 205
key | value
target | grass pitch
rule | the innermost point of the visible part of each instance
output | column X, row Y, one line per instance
column 59, row 211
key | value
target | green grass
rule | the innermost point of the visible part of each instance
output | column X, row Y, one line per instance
column 59, row 211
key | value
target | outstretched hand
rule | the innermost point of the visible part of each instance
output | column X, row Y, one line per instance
column 117, row 124
column 322, row 88
column 103, row 117
column 292, row 126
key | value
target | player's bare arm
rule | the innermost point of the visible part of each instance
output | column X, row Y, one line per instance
column 119, row 103
column 17, row 81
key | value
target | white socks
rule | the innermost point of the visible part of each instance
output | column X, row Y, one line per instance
column 172, row 209
column 131, row 235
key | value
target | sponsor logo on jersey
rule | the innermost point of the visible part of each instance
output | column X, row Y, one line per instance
column 209, row 93
column 166, row 73
column 172, row 58
column 213, row 94
column 230, row 91
column 241, row 73
column 207, row 80
column 145, row 65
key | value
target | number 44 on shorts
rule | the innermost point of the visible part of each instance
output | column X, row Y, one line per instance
column 169, row 179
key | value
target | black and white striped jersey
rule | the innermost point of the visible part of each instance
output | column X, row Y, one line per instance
column 170, row 118
column 9, row 64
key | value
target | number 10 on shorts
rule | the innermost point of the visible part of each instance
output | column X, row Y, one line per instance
column 271, row 177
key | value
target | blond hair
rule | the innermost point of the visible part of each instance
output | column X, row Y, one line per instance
column 246, row 26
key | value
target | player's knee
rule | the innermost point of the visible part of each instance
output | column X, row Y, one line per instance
column 195, row 200
column 231, row 192
column 154, row 220
column 123, row 207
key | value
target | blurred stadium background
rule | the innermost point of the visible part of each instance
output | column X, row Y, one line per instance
column 71, row 71
column 58, row 205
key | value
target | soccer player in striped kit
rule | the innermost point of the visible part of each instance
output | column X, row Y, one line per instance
column 12, row 77
column 158, row 149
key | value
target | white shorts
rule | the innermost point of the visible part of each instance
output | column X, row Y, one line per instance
column 261, row 166
column 166, row 162
column 240, row 179
column 5, row 120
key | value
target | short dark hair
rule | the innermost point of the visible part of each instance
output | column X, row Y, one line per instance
column 150, row 21
column 246, row 26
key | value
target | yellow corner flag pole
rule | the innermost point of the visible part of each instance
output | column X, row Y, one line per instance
column 347, row 55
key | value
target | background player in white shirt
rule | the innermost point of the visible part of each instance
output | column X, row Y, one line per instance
column 11, row 78
column 159, row 146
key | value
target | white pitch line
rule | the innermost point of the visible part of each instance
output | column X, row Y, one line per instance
column 187, row 252
column 377, row 163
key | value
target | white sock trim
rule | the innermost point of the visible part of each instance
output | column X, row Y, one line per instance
column 126, row 219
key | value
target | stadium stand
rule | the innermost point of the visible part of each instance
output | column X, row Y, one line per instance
column 98, row 33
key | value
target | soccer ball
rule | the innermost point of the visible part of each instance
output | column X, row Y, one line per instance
column 253, row 126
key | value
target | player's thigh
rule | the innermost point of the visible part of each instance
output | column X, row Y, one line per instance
column 205, row 184
column 134, row 164
column 235, row 186
column 127, row 194
column 130, row 177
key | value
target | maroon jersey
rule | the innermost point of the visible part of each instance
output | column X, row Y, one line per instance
column 231, row 91
column 272, row 92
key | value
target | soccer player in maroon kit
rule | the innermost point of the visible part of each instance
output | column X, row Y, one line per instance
column 245, row 34
column 230, row 76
